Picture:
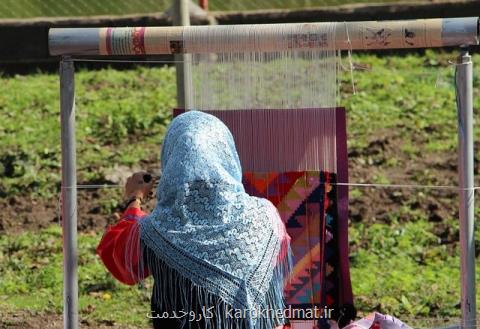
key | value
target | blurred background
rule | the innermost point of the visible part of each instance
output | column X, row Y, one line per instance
column 65, row 8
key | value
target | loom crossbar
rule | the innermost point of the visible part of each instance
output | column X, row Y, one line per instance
column 123, row 41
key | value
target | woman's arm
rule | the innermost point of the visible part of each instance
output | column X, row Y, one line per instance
column 120, row 248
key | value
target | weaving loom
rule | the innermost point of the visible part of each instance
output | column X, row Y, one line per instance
column 312, row 207
column 237, row 70
column 291, row 140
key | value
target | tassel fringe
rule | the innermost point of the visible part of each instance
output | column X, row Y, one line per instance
column 174, row 293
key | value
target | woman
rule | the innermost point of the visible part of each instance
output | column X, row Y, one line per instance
column 217, row 255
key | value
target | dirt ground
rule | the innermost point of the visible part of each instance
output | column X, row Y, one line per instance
column 365, row 165
column 22, row 214
column 25, row 213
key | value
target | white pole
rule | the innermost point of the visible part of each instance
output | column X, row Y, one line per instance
column 464, row 86
column 69, row 194
column 141, row 41
column 181, row 17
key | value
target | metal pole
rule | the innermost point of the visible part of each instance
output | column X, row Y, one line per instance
column 181, row 17
column 69, row 194
column 464, row 86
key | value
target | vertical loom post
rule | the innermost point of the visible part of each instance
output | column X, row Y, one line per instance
column 69, row 194
column 181, row 16
column 464, row 90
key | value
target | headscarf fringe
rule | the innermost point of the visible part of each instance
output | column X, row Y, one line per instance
column 171, row 280
column 207, row 304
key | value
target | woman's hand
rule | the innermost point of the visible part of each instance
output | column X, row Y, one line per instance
column 139, row 185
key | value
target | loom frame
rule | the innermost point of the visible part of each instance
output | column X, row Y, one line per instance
column 461, row 32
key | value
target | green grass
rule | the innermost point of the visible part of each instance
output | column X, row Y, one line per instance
column 113, row 109
column 53, row 8
column 402, row 269
column 32, row 279
column 398, row 268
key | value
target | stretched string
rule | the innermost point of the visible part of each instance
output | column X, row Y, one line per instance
column 127, row 61
column 366, row 185
column 94, row 186
column 409, row 186
column 350, row 59
column 361, row 185
column 58, row 209
column 358, row 185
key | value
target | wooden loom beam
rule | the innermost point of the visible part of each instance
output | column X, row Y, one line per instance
column 128, row 41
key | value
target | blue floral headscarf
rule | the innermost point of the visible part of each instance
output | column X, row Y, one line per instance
column 218, row 239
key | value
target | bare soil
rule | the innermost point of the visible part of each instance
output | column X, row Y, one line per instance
column 365, row 165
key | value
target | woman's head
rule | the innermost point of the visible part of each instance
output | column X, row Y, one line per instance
column 198, row 147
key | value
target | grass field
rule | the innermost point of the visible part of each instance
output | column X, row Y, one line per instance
column 53, row 8
column 402, row 129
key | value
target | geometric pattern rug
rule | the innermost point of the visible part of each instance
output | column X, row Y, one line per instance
column 306, row 202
